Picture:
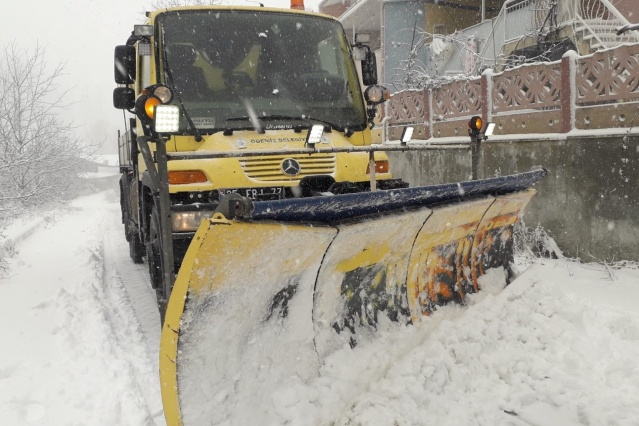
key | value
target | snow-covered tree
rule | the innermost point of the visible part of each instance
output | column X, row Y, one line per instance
column 39, row 152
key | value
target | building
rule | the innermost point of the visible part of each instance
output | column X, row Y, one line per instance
column 423, row 41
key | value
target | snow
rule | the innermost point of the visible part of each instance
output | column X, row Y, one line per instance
column 74, row 353
column 438, row 45
column 557, row 346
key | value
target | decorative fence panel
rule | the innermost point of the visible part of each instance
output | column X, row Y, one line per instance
column 529, row 87
column 458, row 98
column 407, row 107
column 608, row 77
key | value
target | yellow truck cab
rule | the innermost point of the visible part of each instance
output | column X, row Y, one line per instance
column 246, row 86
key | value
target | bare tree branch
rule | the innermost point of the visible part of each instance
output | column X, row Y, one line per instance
column 40, row 155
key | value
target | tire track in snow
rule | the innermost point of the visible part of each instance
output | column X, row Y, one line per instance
column 133, row 308
column 134, row 280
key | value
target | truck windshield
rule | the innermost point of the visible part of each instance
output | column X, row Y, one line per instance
column 226, row 65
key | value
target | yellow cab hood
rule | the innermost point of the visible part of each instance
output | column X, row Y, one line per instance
column 237, row 171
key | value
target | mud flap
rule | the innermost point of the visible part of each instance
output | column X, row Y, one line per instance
column 257, row 307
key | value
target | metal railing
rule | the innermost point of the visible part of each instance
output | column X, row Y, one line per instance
column 600, row 19
column 370, row 149
column 515, row 20
column 518, row 15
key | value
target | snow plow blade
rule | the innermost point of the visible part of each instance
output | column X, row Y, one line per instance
column 260, row 303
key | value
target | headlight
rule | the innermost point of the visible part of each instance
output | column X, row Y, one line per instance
column 167, row 118
column 188, row 221
column 163, row 93
column 149, row 99
column 376, row 94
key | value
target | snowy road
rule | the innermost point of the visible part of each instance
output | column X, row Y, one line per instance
column 80, row 332
column 79, row 325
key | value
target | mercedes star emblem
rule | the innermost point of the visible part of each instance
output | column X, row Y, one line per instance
column 291, row 167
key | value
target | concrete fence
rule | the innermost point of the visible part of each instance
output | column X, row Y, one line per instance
column 579, row 92
column 589, row 202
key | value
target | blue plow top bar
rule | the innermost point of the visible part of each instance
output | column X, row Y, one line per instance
column 338, row 208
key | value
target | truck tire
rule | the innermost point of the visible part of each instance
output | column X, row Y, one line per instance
column 162, row 302
column 153, row 254
column 136, row 248
column 154, row 261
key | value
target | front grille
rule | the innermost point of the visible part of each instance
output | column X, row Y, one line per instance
column 269, row 168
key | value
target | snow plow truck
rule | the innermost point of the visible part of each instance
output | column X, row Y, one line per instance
column 273, row 229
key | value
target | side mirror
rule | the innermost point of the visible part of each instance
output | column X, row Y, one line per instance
column 124, row 64
column 123, row 98
column 369, row 69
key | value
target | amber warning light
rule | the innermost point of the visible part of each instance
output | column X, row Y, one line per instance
column 297, row 4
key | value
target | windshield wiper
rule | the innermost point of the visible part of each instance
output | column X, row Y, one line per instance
column 309, row 120
column 254, row 125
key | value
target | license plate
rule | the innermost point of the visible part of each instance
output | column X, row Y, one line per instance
column 258, row 194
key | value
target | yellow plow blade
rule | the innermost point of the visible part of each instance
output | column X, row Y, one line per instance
column 239, row 317
column 257, row 306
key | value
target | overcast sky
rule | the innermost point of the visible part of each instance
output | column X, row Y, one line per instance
column 83, row 34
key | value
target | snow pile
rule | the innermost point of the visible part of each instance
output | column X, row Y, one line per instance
column 544, row 350
column 555, row 347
